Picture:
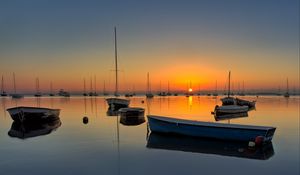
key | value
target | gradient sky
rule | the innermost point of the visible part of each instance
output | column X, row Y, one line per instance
column 65, row 41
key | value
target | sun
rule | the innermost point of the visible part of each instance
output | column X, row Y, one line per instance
column 190, row 90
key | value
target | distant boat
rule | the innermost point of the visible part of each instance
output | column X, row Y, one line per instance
column 29, row 114
column 287, row 94
column 37, row 86
column 236, row 101
column 216, row 90
column 149, row 93
column 104, row 90
column 84, row 88
column 51, row 90
column 15, row 95
column 3, row 93
column 209, row 146
column 209, row 129
column 169, row 92
column 63, row 93
column 28, row 130
column 116, row 103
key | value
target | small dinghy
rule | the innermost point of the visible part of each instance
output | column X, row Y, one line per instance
column 230, row 109
column 132, row 116
column 24, row 114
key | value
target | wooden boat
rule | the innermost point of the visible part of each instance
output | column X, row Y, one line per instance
column 24, row 114
column 132, row 116
column 209, row 146
column 28, row 130
column 209, row 129
column 241, row 102
column 230, row 109
column 117, row 103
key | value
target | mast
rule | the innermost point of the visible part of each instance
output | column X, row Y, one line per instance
column 2, row 85
column 37, row 85
column 168, row 87
column 148, row 84
column 229, row 85
column 104, row 88
column 84, row 86
column 287, row 85
column 51, row 87
column 91, row 85
column 95, row 84
column 216, row 86
column 14, row 81
column 116, row 62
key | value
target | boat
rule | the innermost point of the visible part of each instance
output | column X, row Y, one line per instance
column 231, row 116
column 3, row 93
column 230, row 109
column 104, row 90
column 149, row 93
column 216, row 90
column 32, row 114
column 132, row 116
column 15, row 94
column 287, row 94
column 84, row 88
column 236, row 101
column 37, row 86
column 63, row 93
column 209, row 129
column 117, row 103
column 209, row 146
column 51, row 90
column 29, row 130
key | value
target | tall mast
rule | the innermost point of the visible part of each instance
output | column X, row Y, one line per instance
column 91, row 84
column 2, row 85
column 51, row 87
column 229, row 85
column 148, row 83
column 168, row 87
column 37, row 85
column 95, row 84
column 216, row 86
column 287, row 85
column 84, row 86
column 116, row 62
column 104, row 87
column 14, row 81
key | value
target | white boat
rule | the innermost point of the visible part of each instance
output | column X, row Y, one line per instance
column 230, row 109
column 116, row 103
column 24, row 114
column 222, row 131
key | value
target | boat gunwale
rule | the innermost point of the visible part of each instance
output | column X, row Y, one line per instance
column 210, row 124
column 27, row 107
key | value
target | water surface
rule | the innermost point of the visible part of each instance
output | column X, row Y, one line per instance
column 105, row 146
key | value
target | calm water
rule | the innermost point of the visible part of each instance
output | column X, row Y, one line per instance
column 105, row 146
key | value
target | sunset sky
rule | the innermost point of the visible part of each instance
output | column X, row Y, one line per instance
column 65, row 41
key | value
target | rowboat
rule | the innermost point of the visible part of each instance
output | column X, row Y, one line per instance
column 209, row 146
column 230, row 109
column 23, row 114
column 132, row 116
column 231, row 116
column 209, row 129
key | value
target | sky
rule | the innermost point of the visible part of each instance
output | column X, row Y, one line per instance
column 176, row 41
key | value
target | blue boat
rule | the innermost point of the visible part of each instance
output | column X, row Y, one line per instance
column 209, row 129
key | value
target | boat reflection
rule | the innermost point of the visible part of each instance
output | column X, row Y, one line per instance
column 132, row 120
column 231, row 116
column 209, row 146
column 27, row 130
column 111, row 112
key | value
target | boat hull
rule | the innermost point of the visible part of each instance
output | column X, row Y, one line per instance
column 117, row 103
column 230, row 109
column 209, row 130
column 24, row 114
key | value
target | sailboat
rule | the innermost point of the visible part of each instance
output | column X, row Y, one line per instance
column 51, row 90
column 116, row 103
column 149, row 94
column 84, row 88
column 37, row 86
column 15, row 95
column 287, row 94
column 95, row 88
column 3, row 93
column 216, row 91
column 104, row 90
